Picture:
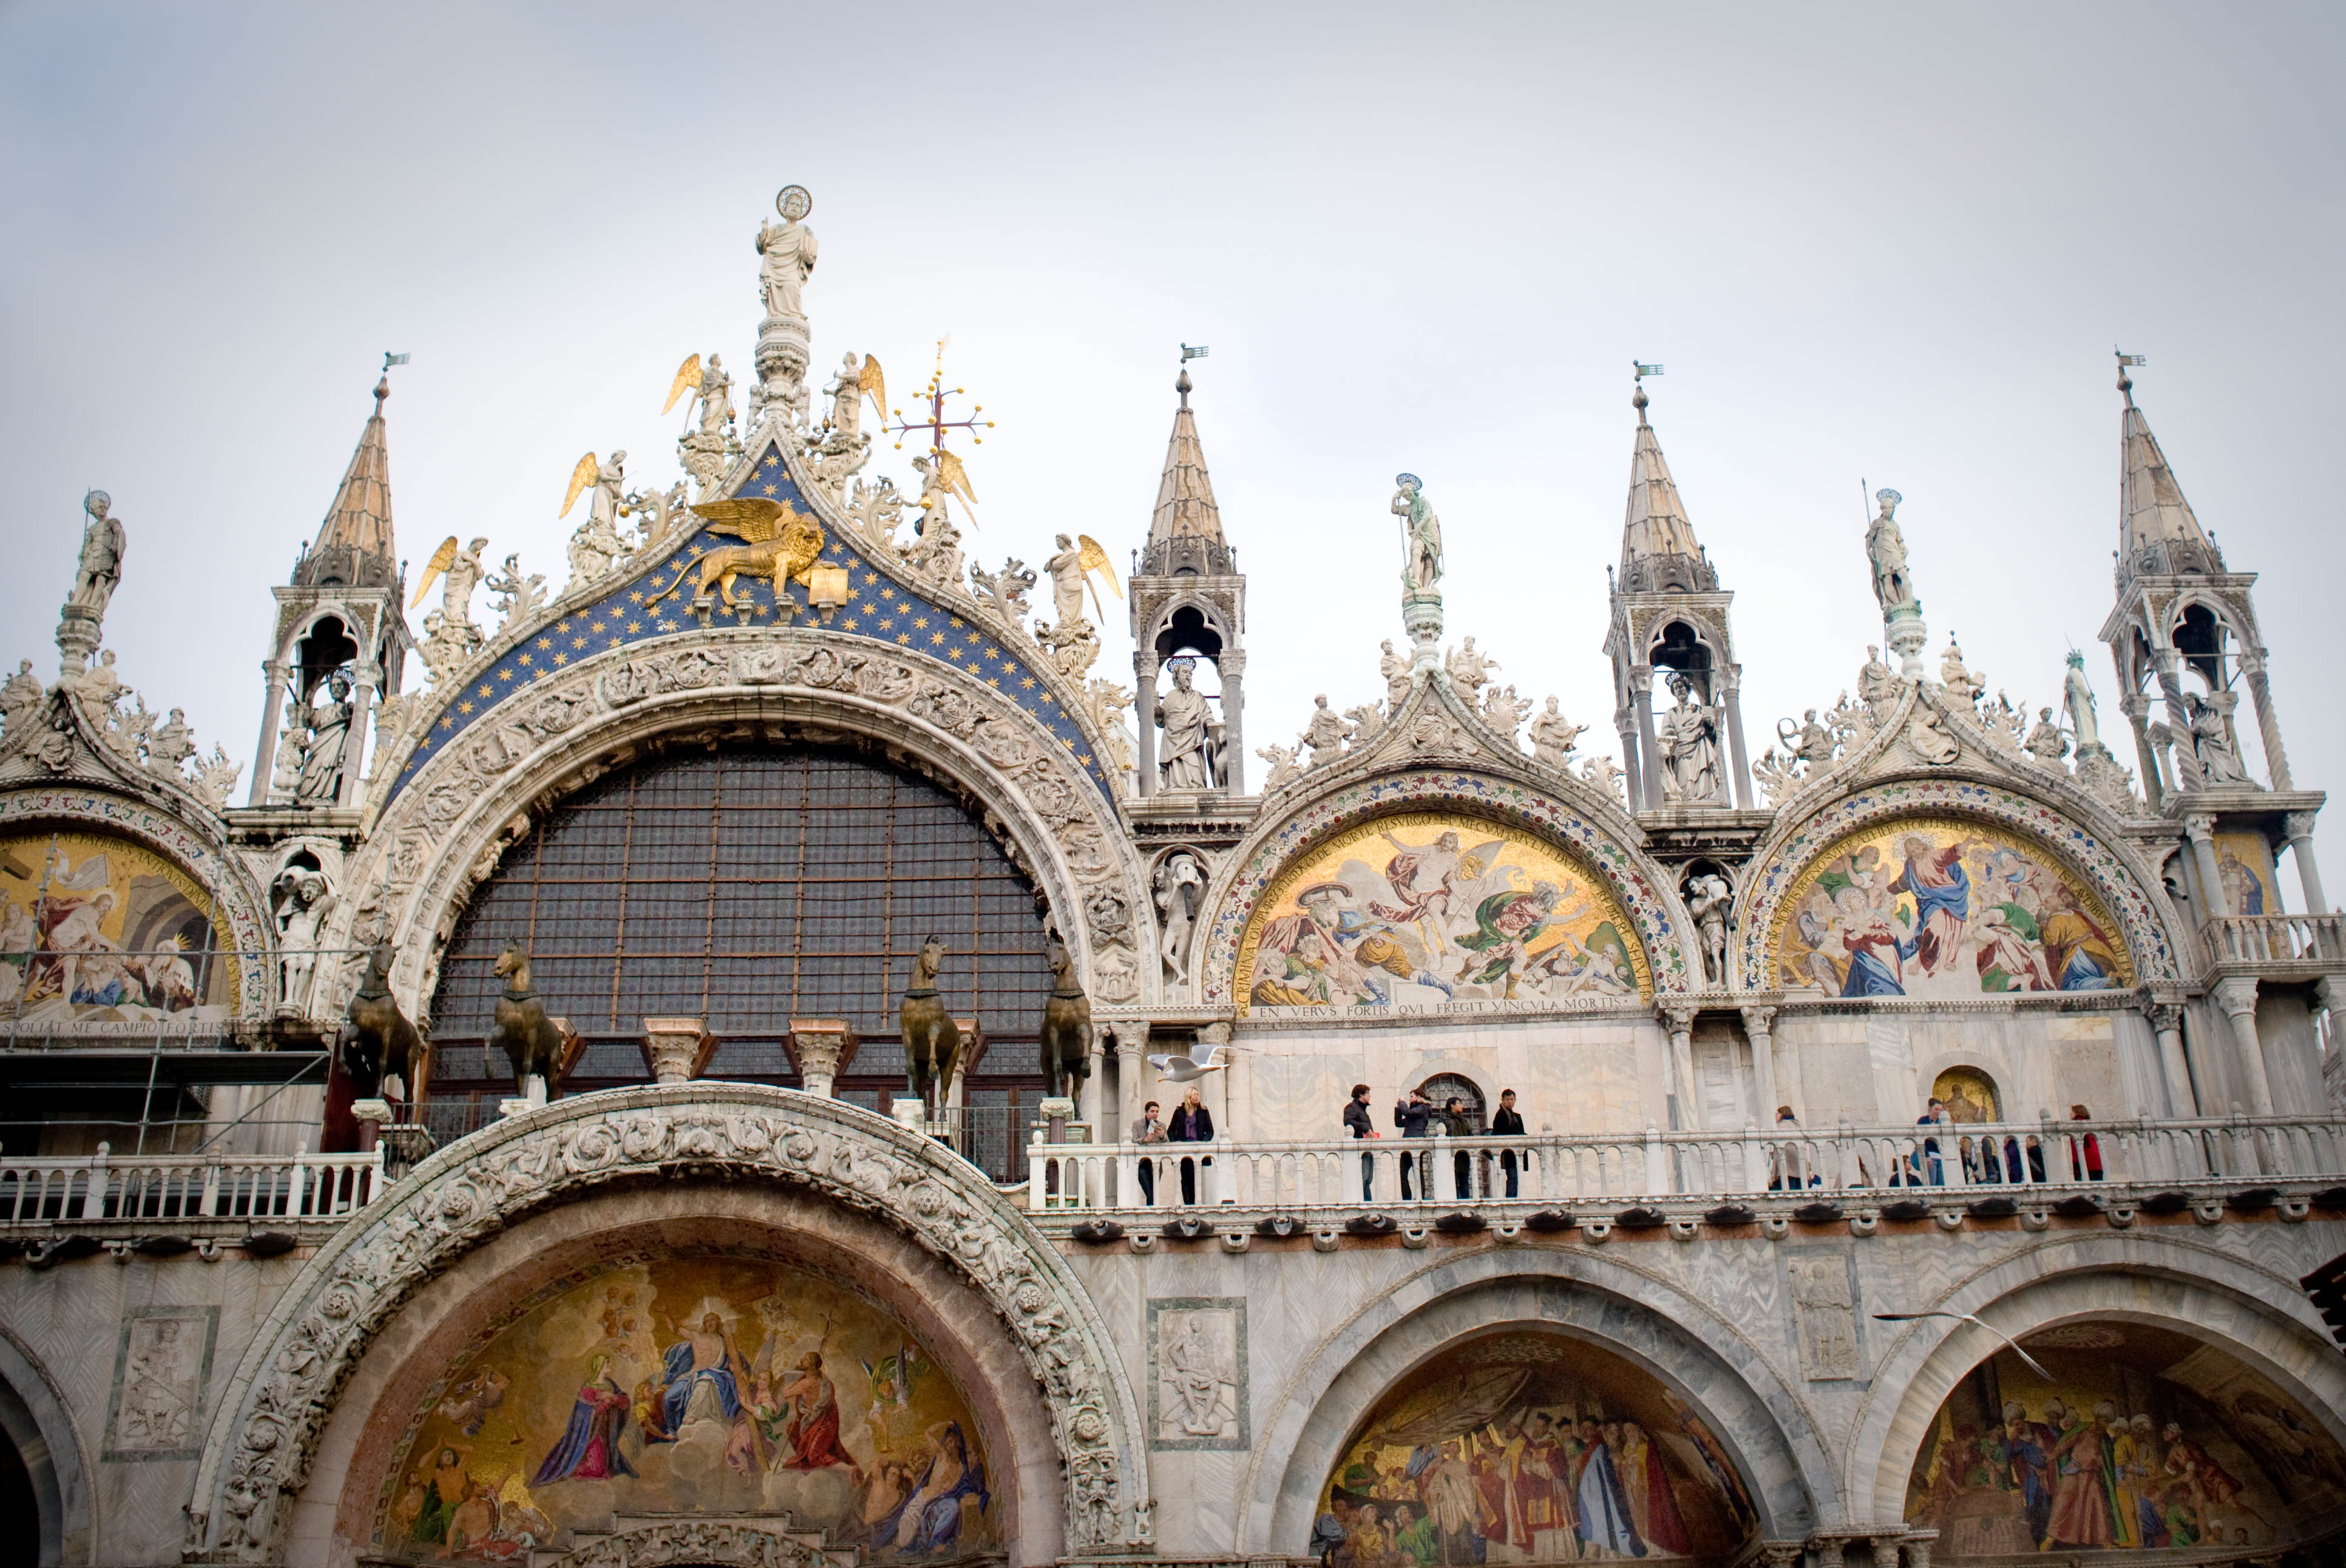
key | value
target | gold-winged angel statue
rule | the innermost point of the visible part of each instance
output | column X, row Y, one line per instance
column 780, row 544
column 942, row 474
column 1095, row 559
column 464, row 568
column 688, row 379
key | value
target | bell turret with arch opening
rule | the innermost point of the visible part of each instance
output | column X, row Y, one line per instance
column 1189, row 629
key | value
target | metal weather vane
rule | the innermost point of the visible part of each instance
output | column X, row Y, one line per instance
column 945, row 470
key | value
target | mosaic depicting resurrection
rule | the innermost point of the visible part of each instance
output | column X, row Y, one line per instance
column 706, row 1384
column 2144, row 1439
column 1425, row 909
column 99, row 929
column 1531, row 1448
column 1945, row 909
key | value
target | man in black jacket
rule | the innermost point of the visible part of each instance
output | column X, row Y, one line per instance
column 1356, row 1118
column 1191, row 1124
column 1461, row 1164
column 1412, row 1117
column 1507, row 1124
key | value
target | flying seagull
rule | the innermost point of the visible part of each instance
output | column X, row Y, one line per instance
column 1967, row 1318
column 1182, row 1070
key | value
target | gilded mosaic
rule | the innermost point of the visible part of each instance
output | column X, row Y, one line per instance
column 95, row 928
column 2144, row 1440
column 1531, row 1448
column 1942, row 908
column 710, row 1384
column 1427, row 910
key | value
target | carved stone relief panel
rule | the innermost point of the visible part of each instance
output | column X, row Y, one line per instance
column 161, row 1367
column 1198, row 1372
column 1824, row 1309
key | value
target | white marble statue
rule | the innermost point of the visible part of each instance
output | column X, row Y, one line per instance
column 597, row 546
column 319, row 781
column 303, row 899
column 20, row 698
column 713, row 400
column 1689, row 746
column 461, row 575
column 99, row 570
column 1066, row 566
column 98, row 687
column 1395, row 668
column 2212, row 745
column 1190, row 734
column 2077, row 700
column 1877, row 685
column 2045, row 742
column 1326, row 733
column 786, row 253
column 1963, row 685
column 1179, row 883
column 1885, row 546
column 170, row 743
column 1469, row 670
column 1421, row 571
column 1706, row 901
column 1808, row 741
column 1553, row 737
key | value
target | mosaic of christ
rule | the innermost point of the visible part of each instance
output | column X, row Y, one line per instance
column 712, row 1384
column 99, row 929
column 1944, row 909
column 1426, row 909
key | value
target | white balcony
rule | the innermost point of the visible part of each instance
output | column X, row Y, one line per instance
column 63, row 1193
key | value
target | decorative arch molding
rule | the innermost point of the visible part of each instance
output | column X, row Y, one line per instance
column 1682, row 1342
column 2253, row 1313
column 37, row 1418
column 444, row 835
column 238, row 903
column 266, row 1425
column 677, row 1543
column 1248, row 872
column 2109, row 866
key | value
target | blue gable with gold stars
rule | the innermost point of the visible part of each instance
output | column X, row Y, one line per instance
column 879, row 607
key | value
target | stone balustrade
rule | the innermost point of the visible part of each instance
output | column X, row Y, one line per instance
column 78, row 1189
column 2294, row 945
column 2035, row 1164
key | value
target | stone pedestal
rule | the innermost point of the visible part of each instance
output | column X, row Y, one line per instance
column 783, row 343
column 677, row 1050
column 821, row 1049
column 910, row 1114
column 1420, row 618
column 371, row 1115
column 1903, row 630
column 1058, row 1111
column 511, row 1106
column 77, row 634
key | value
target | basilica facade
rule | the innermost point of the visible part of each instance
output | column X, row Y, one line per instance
column 771, row 1052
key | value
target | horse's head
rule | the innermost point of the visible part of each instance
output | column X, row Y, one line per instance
column 378, row 961
column 513, row 963
column 925, row 967
column 1062, row 963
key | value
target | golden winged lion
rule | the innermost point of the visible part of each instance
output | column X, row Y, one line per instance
column 781, row 544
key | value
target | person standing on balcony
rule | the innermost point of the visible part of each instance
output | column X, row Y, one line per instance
column 1787, row 1168
column 1192, row 1123
column 2086, row 1161
column 1923, row 1165
column 1461, row 1164
column 1148, row 1128
column 1508, row 1122
column 1412, row 1116
column 1356, row 1121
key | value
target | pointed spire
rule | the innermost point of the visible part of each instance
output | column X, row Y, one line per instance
column 1660, row 553
column 355, row 544
column 1186, row 529
column 2157, row 532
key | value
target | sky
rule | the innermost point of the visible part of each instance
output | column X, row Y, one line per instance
column 1873, row 246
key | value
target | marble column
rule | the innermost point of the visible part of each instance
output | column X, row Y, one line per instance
column 2267, row 721
column 2300, row 828
column 1131, row 1074
column 264, row 760
column 1759, row 1025
column 2238, row 997
column 1733, row 702
column 1648, row 794
column 2182, row 1100
column 2136, row 708
column 354, row 745
column 2201, row 831
column 2179, row 722
column 1686, row 1105
column 1144, row 678
column 1231, row 666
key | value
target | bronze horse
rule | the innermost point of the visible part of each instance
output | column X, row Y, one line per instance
column 931, row 1039
column 532, row 1040
column 1067, row 1027
column 377, row 1039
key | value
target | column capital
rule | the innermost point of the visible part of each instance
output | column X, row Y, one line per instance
column 1641, row 678
column 1759, row 1020
column 1231, row 662
column 2166, row 1016
column 2199, row 829
column 1131, row 1035
column 2237, row 996
column 1679, row 1016
column 2298, row 825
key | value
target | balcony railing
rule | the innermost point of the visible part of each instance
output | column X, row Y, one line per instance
column 2004, row 1159
column 2311, row 943
column 299, row 1186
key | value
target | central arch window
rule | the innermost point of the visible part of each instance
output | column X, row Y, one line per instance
column 746, row 887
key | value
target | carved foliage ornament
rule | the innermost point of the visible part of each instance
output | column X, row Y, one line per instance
column 260, row 1447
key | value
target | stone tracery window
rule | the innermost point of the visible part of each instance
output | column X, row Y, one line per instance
column 744, row 887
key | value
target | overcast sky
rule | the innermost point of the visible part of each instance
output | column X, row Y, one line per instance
column 1895, row 244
